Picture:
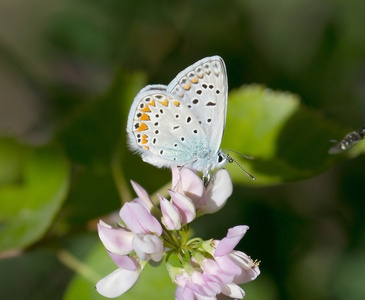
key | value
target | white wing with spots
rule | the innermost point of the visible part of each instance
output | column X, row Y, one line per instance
column 182, row 124
column 163, row 130
column 203, row 87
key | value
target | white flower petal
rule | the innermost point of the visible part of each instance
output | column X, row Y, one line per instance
column 191, row 184
column 188, row 182
column 148, row 247
column 219, row 189
column 233, row 291
column 117, row 283
column 250, row 269
column 200, row 297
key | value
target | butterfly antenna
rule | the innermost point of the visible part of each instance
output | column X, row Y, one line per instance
column 231, row 160
column 234, row 151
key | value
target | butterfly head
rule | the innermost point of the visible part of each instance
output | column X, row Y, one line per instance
column 230, row 159
column 222, row 158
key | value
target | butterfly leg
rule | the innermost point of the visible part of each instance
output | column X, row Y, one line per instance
column 206, row 178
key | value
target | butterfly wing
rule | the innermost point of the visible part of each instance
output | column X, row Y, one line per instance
column 163, row 130
column 203, row 87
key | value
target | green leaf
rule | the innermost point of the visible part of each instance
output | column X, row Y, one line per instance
column 34, row 183
column 153, row 280
column 93, row 194
column 287, row 140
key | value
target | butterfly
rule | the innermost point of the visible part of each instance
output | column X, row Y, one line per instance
column 348, row 141
column 182, row 124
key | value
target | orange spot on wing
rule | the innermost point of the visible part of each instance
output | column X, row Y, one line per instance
column 195, row 80
column 176, row 103
column 144, row 139
column 142, row 127
column 146, row 147
column 145, row 109
column 144, row 117
column 164, row 102
column 187, row 86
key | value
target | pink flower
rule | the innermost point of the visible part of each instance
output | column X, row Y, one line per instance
column 201, row 269
column 250, row 269
column 139, row 219
column 228, row 243
column 184, row 206
column 217, row 192
column 196, row 284
column 221, row 274
column 143, row 197
column 209, row 199
column 130, row 246
column 115, row 240
column 170, row 214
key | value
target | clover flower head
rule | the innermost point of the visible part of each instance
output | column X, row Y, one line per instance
column 149, row 232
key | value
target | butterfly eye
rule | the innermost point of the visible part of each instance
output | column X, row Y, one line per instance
column 220, row 158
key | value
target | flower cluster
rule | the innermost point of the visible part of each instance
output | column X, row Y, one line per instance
column 200, row 269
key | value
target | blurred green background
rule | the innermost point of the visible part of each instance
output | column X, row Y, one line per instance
column 69, row 71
